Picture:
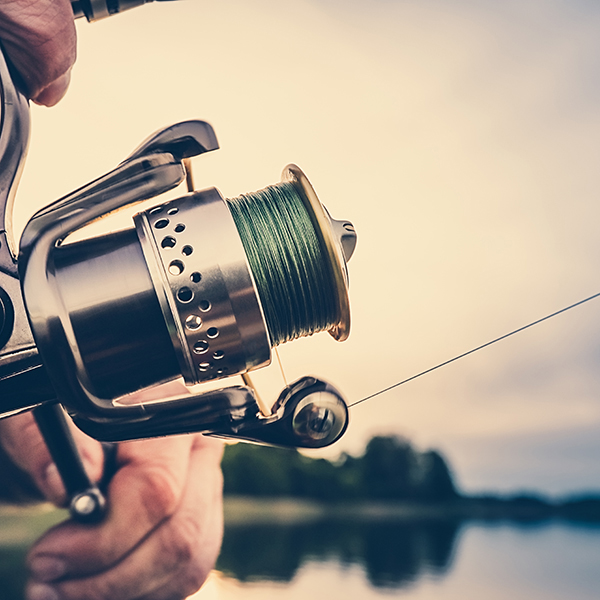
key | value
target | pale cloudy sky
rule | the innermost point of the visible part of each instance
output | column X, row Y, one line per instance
column 461, row 138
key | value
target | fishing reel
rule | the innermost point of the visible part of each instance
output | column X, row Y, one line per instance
column 199, row 287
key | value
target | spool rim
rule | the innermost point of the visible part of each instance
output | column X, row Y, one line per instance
column 294, row 174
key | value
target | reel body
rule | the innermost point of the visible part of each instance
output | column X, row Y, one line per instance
column 83, row 325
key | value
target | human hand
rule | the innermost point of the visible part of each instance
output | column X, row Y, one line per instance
column 39, row 39
column 163, row 530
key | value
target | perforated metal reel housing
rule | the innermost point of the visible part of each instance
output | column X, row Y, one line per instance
column 205, row 287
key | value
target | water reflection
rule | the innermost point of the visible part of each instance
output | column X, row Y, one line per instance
column 360, row 560
column 392, row 554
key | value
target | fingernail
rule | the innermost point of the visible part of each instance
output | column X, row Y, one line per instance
column 41, row 592
column 47, row 568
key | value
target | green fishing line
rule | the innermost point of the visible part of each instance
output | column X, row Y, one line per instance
column 290, row 268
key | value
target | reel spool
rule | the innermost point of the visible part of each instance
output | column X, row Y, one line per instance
column 247, row 274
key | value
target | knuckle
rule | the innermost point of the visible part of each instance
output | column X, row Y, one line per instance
column 196, row 576
column 182, row 543
column 192, row 581
column 190, row 553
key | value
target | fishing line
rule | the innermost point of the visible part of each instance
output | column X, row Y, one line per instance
column 285, row 381
column 291, row 271
column 447, row 362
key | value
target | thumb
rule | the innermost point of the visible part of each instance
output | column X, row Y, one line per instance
column 54, row 92
column 24, row 444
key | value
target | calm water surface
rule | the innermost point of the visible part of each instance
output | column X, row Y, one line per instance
column 360, row 560
column 549, row 561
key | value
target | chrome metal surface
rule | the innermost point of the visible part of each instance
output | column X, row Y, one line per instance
column 23, row 381
column 83, row 504
column 87, row 501
column 98, row 10
column 21, row 337
column 205, row 286
column 225, row 410
column 88, row 323
column 14, row 137
column 115, row 317
column 125, row 311
column 346, row 234
column 319, row 417
column 50, row 322
column 309, row 413
column 182, row 140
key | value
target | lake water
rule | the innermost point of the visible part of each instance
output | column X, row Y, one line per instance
column 436, row 561
column 352, row 560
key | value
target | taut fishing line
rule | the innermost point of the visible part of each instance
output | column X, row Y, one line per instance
column 447, row 362
column 291, row 274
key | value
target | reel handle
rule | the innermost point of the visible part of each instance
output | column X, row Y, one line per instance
column 87, row 503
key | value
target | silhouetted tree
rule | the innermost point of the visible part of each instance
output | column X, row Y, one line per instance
column 389, row 469
column 437, row 483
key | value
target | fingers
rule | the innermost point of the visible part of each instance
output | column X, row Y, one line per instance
column 202, row 514
column 39, row 38
column 170, row 562
column 146, row 489
column 23, row 442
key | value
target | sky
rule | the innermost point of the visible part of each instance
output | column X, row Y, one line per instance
column 461, row 139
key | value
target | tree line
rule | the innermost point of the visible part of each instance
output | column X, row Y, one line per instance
column 389, row 469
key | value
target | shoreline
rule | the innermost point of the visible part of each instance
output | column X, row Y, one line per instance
column 19, row 523
column 261, row 510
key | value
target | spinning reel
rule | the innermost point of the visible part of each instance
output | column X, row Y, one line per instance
column 199, row 287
